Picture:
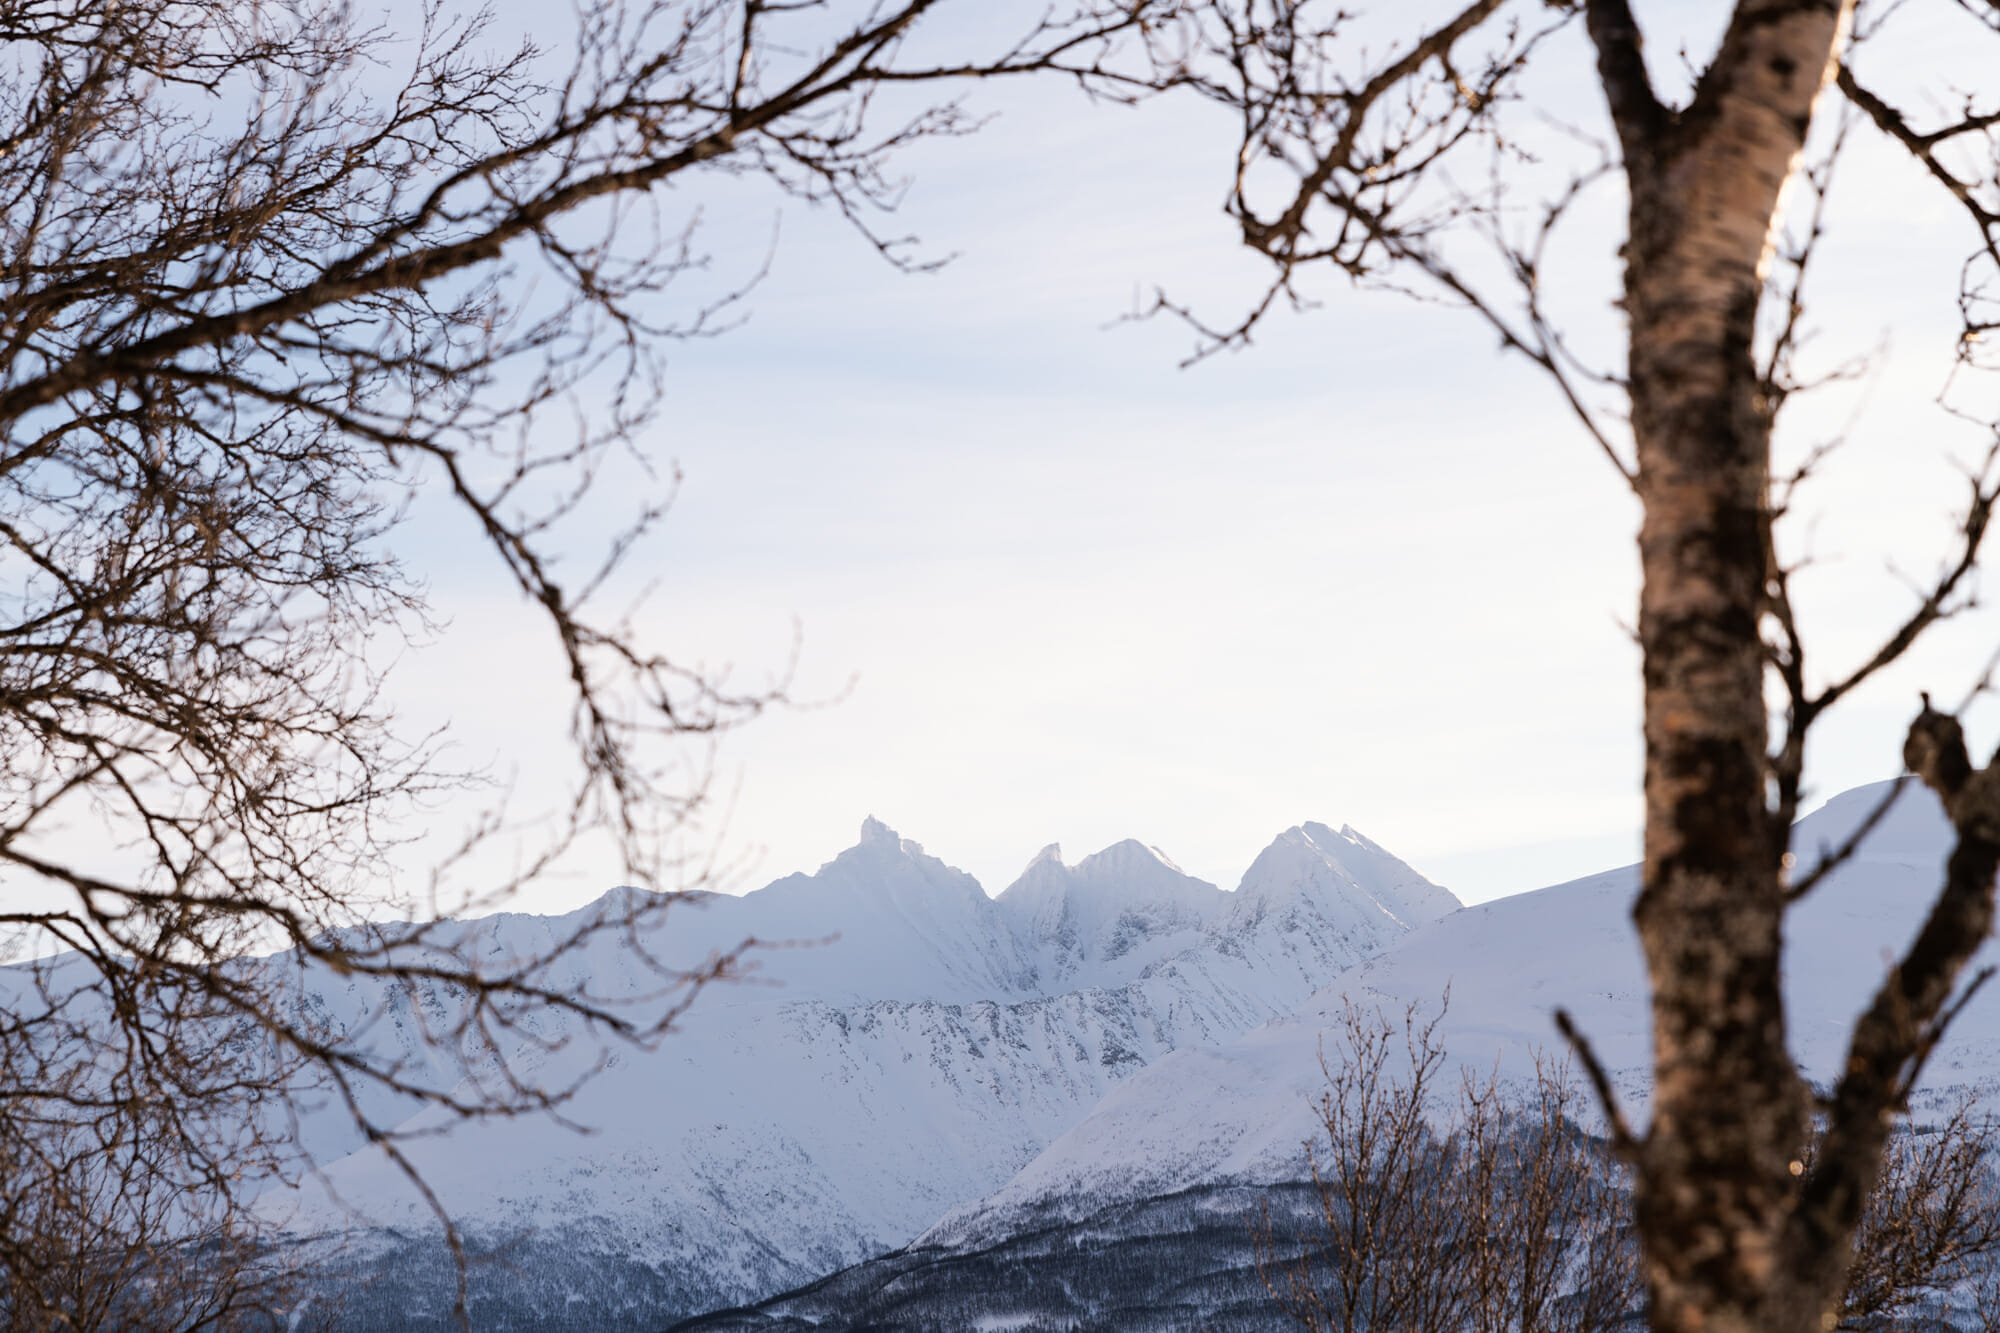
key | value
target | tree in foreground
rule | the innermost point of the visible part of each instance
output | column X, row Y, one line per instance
column 1417, row 150
column 267, row 273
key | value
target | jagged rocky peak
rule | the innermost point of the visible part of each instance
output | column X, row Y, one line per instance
column 884, row 860
column 1125, row 872
column 1312, row 864
column 874, row 831
column 1041, row 887
column 1127, row 856
column 879, row 841
column 886, row 920
column 1127, row 905
column 1381, row 873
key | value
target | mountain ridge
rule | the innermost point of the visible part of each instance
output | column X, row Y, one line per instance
column 1237, row 1113
column 914, row 1063
column 1137, row 1218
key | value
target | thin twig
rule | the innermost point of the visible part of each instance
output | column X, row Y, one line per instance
column 1623, row 1142
column 1829, row 861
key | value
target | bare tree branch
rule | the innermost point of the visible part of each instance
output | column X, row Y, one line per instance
column 1832, row 858
column 1623, row 1141
column 1621, row 69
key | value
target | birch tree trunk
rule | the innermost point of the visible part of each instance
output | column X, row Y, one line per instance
column 1717, row 1169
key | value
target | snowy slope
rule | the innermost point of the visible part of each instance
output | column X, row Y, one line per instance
column 1240, row 1112
column 930, row 1046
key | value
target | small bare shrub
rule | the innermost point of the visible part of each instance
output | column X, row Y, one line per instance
column 1493, row 1212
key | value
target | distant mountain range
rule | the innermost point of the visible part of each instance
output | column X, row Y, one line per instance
column 931, row 1048
column 1137, row 1218
column 1059, row 1107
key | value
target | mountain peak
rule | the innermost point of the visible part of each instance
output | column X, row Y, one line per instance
column 874, row 830
column 1311, row 861
column 1129, row 852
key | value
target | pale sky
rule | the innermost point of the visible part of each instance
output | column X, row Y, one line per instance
column 1367, row 572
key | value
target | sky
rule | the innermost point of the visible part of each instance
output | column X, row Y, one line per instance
column 1048, row 585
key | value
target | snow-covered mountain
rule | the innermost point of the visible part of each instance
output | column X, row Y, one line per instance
column 1137, row 1217
column 1106, row 920
column 952, row 1094
column 926, row 1048
column 1238, row 1113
